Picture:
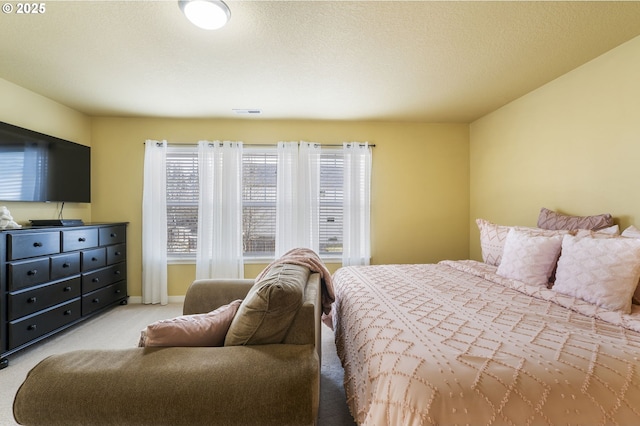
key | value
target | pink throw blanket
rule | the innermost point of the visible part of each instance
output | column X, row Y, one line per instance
column 308, row 258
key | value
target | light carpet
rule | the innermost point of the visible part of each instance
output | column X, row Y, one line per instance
column 120, row 328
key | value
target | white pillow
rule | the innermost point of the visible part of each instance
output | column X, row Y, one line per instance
column 631, row 232
column 529, row 258
column 610, row 232
column 493, row 238
column 602, row 271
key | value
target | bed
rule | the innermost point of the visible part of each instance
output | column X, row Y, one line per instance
column 458, row 342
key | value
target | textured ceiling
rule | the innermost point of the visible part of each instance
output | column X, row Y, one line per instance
column 378, row 60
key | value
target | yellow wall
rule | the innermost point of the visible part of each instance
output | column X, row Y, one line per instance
column 420, row 187
column 24, row 108
column 572, row 145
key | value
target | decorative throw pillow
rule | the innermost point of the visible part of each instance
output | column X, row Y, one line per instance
column 548, row 219
column 610, row 232
column 493, row 238
column 191, row 330
column 267, row 312
column 529, row 258
column 602, row 271
column 631, row 232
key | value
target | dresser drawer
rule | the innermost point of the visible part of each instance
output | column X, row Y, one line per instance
column 65, row 265
column 26, row 329
column 93, row 259
column 102, row 277
column 30, row 301
column 113, row 235
column 28, row 273
column 79, row 239
column 116, row 254
column 99, row 299
column 32, row 245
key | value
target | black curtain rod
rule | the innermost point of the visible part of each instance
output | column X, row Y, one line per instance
column 257, row 145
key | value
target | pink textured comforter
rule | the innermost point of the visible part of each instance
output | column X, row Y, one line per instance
column 453, row 343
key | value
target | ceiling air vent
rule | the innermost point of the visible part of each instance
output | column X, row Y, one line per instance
column 249, row 111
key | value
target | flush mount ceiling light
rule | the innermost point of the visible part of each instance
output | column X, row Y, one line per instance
column 206, row 14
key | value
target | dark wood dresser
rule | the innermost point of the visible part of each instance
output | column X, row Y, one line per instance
column 54, row 277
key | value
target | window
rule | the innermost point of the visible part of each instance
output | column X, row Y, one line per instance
column 259, row 168
column 331, row 196
column 182, row 201
column 259, row 201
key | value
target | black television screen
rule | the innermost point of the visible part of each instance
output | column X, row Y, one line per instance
column 38, row 167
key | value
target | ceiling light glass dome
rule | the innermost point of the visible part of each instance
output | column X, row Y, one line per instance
column 206, row 14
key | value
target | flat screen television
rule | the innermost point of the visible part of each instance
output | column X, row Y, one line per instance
column 38, row 167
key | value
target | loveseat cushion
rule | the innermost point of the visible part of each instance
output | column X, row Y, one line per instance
column 265, row 315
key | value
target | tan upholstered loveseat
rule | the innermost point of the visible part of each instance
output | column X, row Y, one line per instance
column 271, row 384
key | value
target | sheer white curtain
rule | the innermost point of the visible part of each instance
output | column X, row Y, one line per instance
column 154, row 224
column 286, row 198
column 297, row 196
column 309, row 195
column 219, row 252
column 356, row 248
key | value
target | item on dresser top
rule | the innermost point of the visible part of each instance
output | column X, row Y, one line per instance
column 56, row 222
column 6, row 220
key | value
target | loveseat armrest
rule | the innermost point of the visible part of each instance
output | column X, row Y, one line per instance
column 239, row 385
column 206, row 295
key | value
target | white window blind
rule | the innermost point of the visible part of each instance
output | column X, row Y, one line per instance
column 331, row 197
column 182, row 201
column 259, row 168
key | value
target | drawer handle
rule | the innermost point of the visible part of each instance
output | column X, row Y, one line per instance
column 66, row 289
column 37, row 244
column 94, row 259
column 32, row 272
column 96, row 300
column 66, row 265
column 116, row 272
column 117, row 253
column 113, row 235
column 32, row 327
column 82, row 239
column 118, row 291
column 32, row 300
column 67, row 312
column 95, row 280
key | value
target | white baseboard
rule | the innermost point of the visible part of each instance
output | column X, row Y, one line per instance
column 172, row 299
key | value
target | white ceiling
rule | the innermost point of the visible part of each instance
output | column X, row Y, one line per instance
column 449, row 61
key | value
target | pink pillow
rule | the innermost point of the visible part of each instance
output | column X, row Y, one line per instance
column 548, row 219
column 191, row 330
